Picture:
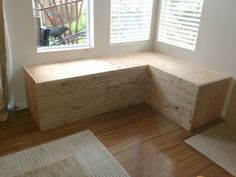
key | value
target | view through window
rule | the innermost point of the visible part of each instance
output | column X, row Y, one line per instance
column 61, row 23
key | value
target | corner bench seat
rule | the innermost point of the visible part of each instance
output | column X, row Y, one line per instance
column 64, row 92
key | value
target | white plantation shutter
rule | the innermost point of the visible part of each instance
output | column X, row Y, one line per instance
column 130, row 20
column 179, row 22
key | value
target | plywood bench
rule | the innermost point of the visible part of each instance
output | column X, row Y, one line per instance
column 64, row 92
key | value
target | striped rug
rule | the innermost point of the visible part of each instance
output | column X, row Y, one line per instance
column 79, row 155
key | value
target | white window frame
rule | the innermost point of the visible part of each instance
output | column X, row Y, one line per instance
column 89, row 34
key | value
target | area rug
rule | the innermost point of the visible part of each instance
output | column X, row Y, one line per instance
column 218, row 144
column 79, row 155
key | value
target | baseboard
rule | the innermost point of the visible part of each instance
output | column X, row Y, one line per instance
column 227, row 100
column 223, row 114
column 21, row 105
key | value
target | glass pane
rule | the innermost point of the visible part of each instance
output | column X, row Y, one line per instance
column 179, row 22
column 130, row 20
column 61, row 22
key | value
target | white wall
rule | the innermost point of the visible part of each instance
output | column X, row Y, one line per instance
column 19, row 16
column 216, row 45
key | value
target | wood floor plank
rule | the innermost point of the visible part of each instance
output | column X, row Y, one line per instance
column 146, row 143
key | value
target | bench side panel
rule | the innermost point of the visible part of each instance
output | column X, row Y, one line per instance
column 32, row 96
column 210, row 102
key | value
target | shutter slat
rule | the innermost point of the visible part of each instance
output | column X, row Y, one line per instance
column 170, row 21
column 180, row 26
column 130, row 20
column 180, row 36
column 176, row 30
column 177, row 13
column 186, row 19
column 179, row 22
column 177, row 43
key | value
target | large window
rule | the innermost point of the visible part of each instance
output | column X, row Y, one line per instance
column 130, row 20
column 179, row 22
column 61, row 23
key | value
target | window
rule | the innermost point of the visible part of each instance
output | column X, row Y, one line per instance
column 61, row 23
column 130, row 20
column 179, row 22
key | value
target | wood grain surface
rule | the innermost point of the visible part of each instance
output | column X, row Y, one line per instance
column 68, row 91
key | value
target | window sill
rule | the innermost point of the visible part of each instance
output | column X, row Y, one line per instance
column 129, row 42
column 62, row 48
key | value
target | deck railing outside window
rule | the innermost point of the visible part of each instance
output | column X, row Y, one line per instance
column 61, row 22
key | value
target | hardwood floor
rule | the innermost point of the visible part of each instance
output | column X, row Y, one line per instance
column 146, row 143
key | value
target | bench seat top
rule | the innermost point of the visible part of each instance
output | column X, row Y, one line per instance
column 70, row 69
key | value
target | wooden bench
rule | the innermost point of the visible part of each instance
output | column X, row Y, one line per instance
column 64, row 92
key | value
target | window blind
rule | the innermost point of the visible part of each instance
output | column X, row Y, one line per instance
column 130, row 20
column 179, row 22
